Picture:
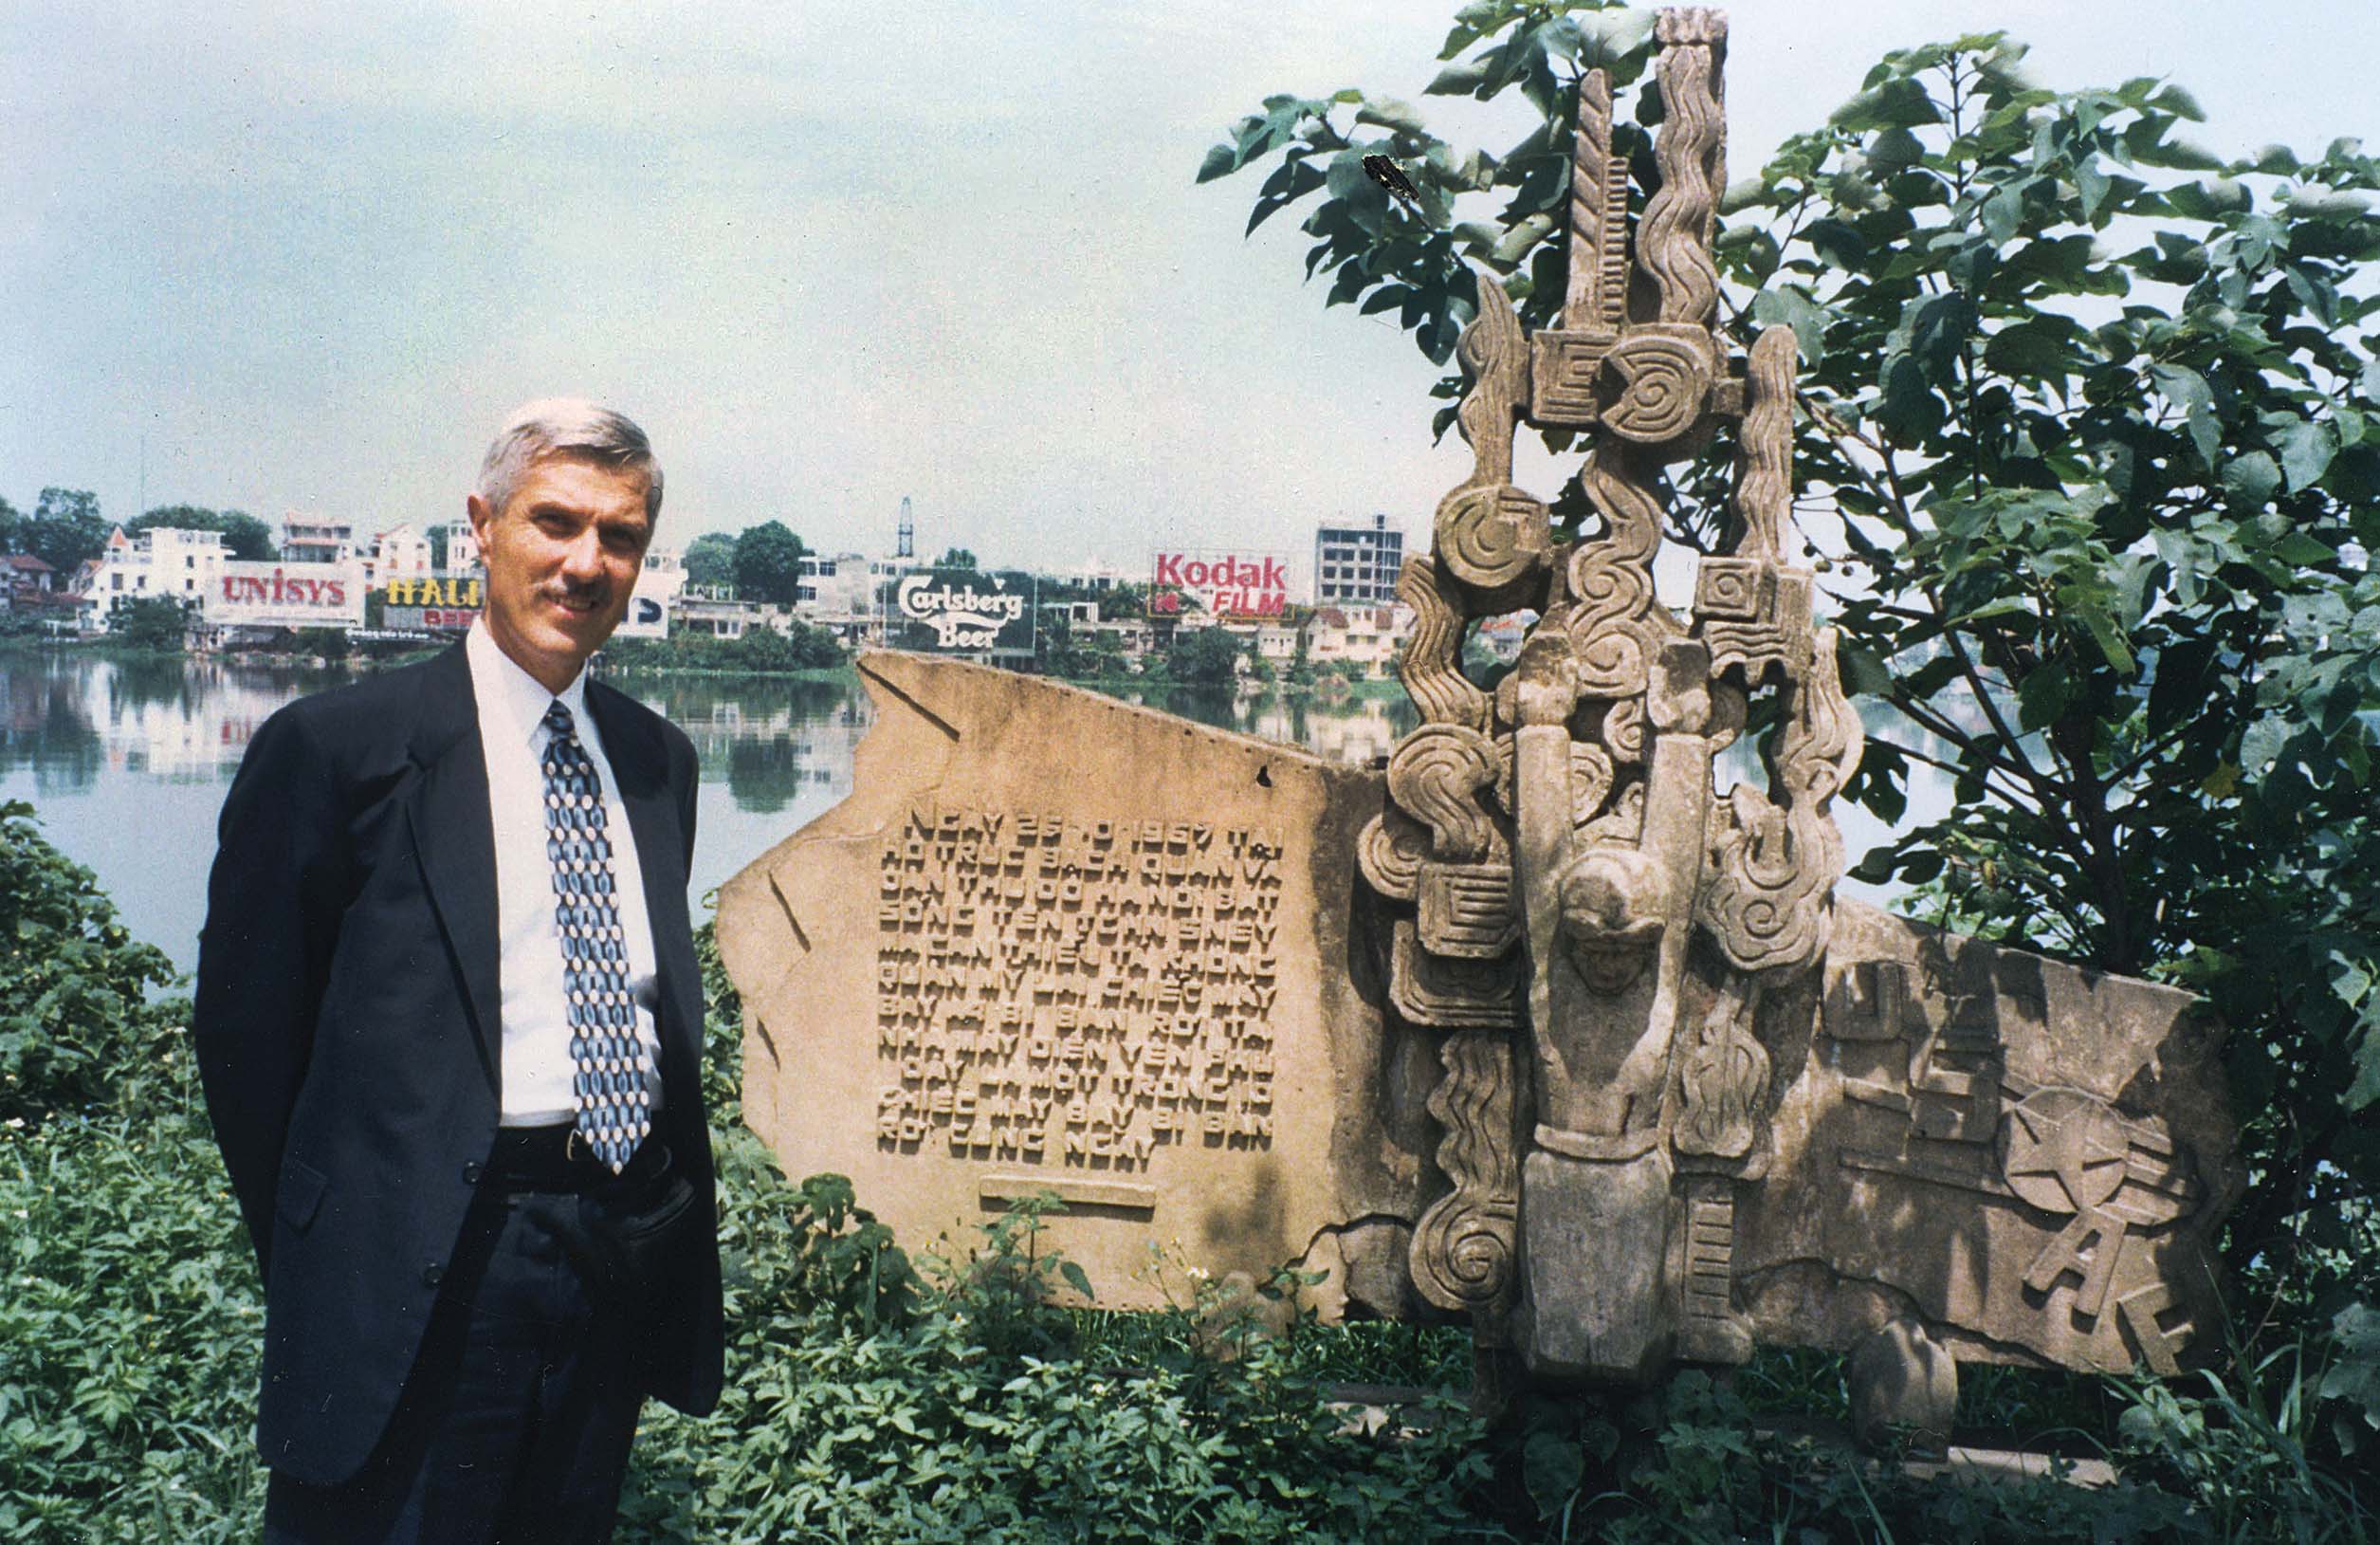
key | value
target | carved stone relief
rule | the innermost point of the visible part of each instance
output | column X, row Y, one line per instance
column 1659, row 1051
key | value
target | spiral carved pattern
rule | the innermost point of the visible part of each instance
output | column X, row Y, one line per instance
column 1774, row 868
column 1613, row 580
column 1659, row 386
column 1727, row 588
column 1435, row 774
column 1614, row 663
column 1623, row 729
column 1465, row 1245
column 1673, row 244
column 1389, row 851
column 1492, row 535
column 1431, row 668
column 1764, row 488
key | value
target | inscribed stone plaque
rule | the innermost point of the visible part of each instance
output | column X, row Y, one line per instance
column 1053, row 942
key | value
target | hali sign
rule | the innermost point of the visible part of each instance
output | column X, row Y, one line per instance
column 251, row 594
column 433, row 591
column 1228, row 586
column 952, row 610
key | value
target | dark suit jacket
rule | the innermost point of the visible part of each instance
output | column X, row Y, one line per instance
column 346, row 1029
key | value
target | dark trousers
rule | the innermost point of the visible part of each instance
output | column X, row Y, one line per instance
column 516, row 1422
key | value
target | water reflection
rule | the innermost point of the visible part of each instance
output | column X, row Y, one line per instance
column 70, row 718
column 774, row 740
column 1350, row 727
column 125, row 760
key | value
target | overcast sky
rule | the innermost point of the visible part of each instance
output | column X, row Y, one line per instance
column 827, row 255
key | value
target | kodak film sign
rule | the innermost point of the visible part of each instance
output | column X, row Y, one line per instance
column 1234, row 585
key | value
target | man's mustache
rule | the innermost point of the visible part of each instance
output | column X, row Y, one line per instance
column 578, row 595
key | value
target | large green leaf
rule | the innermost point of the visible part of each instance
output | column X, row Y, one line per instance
column 1898, row 103
column 2252, row 479
column 2306, row 448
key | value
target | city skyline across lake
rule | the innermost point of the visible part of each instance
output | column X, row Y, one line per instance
column 125, row 761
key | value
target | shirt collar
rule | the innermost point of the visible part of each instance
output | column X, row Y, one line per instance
column 510, row 699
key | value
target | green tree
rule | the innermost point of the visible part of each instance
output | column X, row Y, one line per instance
column 1056, row 650
column 2088, row 411
column 768, row 563
column 65, row 528
column 150, row 622
column 1205, row 656
column 12, row 528
column 250, row 539
column 710, row 560
column 956, row 558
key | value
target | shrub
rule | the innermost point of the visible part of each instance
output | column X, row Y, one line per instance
column 803, row 647
column 76, row 1031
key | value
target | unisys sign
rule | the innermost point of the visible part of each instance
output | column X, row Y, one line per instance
column 1224, row 584
column 287, row 595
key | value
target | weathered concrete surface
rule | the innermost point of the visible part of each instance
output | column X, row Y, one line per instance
column 1056, row 941
column 2031, row 1158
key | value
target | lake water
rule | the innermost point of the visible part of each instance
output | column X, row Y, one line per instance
column 126, row 761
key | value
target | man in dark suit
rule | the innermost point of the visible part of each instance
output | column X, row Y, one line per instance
column 448, row 1018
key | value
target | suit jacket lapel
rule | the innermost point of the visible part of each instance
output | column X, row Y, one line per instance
column 640, row 766
column 455, row 836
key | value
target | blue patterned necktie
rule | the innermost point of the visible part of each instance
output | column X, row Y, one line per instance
column 610, row 1080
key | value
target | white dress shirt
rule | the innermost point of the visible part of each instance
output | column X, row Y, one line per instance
column 534, row 1009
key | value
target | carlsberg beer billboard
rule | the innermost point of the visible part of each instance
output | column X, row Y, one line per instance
column 964, row 612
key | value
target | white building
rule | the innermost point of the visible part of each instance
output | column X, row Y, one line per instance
column 163, row 560
column 1098, row 575
column 314, row 539
column 399, row 553
column 833, row 588
column 1368, row 638
column 702, row 612
column 659, row 590
column 461, row 546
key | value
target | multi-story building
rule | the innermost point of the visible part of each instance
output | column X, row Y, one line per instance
column 314, row 539
column 462, row 545
column 162, row 560
column 834, row 589
column 1369, row 637
column 1356, row 565
column 398, row 553
column 699, row 610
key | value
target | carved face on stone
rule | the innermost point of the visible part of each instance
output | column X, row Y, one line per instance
column 1613, row 906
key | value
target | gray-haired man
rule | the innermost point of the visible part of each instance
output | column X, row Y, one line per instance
column 450, row 1022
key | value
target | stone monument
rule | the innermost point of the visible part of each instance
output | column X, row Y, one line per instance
column 1592, row 1054
column 1053, row 942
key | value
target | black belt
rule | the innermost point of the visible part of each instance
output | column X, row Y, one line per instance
column 557, row 1158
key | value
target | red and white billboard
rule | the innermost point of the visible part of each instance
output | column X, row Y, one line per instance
column 287, row 595
column 1228, row 586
